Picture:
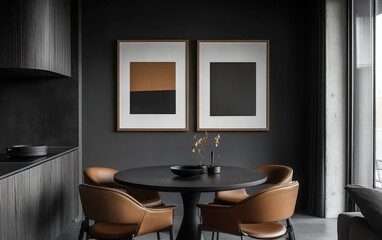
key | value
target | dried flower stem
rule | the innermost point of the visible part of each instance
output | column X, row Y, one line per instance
column 201, row 146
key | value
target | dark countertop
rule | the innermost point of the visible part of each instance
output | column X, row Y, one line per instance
column 12, row 166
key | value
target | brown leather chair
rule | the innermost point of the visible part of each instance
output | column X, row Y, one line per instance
column 276, row 174
column 119, row 216
column 104, row 177
column 256, row 216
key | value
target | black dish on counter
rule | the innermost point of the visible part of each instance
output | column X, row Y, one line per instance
column 26, row 150
column 186, row 171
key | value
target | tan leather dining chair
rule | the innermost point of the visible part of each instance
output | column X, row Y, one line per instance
column 276, row 174
column 104, row 177
column 256, row 216
column 117, row 215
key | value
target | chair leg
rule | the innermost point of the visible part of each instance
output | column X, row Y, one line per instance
column 291, row 229
column 158, row 235
column 291, row 235
column 82, row 230
column 199, row 232
column 241, row 236
column 171, row 234
column 213, row 235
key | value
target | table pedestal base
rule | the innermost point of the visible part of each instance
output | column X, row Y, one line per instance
column 189, row 227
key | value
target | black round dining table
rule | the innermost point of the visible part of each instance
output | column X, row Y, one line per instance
column 161, row 178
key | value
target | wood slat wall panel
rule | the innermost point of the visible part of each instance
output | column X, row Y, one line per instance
column 34, row 202
column 57, row 197
column 70, row 189
column 10, row 23
column 4, row 199
column 66, row 210
column 7, row 209
column 76, row 194
column 60, row 37
column 41, row 190
column 22, row 208
column 36, row 34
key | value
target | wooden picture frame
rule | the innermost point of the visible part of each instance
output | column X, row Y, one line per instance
column 233, row 85
column 152, row 85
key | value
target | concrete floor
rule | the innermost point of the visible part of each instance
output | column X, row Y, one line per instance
column 306, row 228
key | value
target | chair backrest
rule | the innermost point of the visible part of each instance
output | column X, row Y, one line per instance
column 269, row 205
column 109, row 205
column 100, row 176
column 104, row 177
column 277, row 174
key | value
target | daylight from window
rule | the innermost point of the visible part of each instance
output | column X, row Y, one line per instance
column 378, row 97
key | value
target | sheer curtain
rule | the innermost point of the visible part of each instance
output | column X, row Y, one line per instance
column 361, row 95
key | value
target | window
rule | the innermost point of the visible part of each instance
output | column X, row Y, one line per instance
column 362, row 94
column 378, row 95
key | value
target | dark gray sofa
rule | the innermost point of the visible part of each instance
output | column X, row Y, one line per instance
column 353, row 226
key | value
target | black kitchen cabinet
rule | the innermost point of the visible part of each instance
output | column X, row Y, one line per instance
column 35, row 38
column 40, row 200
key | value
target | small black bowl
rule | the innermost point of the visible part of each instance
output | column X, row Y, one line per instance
column 186, row 171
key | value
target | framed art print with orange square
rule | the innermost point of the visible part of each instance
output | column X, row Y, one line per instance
column 152, row 85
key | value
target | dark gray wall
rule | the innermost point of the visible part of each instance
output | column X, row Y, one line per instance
column 39, row 111
column 104, row 22
column 42, row 110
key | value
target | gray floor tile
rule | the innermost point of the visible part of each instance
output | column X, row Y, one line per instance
column 306, row 228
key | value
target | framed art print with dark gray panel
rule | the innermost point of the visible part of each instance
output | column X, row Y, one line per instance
column 233, row 85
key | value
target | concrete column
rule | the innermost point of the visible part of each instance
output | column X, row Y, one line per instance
column 335, row 159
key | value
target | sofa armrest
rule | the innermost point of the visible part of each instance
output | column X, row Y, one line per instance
column 344, row 223
column 352, row 226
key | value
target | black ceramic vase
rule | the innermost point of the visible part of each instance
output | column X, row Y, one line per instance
column 213, row 169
